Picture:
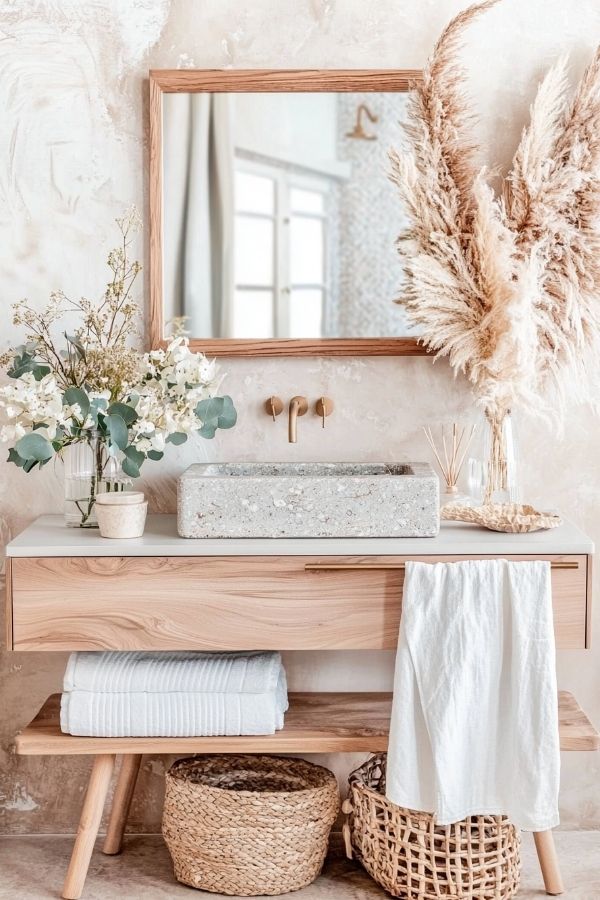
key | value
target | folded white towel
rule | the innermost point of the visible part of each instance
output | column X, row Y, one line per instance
column 168, row 672
column 474, row 726
column 173, row 713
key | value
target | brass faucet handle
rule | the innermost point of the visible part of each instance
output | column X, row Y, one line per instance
column 301, row 403
column 273, row 406
column 323, row 408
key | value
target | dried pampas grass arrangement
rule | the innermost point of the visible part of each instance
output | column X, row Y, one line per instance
column 506, row 285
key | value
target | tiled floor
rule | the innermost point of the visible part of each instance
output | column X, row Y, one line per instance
column 32, row 868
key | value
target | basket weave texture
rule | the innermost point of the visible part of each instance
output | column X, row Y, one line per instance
column 248, row 825
column 413, row 858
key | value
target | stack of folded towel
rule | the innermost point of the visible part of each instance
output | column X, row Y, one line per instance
column 173, row 694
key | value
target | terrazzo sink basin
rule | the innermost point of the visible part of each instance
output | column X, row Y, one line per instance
column 279, row 500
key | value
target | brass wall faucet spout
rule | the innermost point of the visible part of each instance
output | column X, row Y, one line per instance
column 298, row 407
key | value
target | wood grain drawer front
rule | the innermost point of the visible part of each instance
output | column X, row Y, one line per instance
column 233, row 603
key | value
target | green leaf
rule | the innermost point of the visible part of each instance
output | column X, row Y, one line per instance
column 208, row 430
column 228, row 417
column 210, row 409
column 133, row 461
column 76, row 396
column 97, row 406
column 134, row 455
column 23, row 362
column 130, row 468
column 177, row 438
column 217, row 412
column 34, row 447
column 40, row 370
column 29, row 464
column 127, row 413
column 14, row 457
column 118, row 431
column 75, row 342
column 154, row 455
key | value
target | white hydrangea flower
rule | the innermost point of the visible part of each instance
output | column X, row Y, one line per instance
column 168, row 385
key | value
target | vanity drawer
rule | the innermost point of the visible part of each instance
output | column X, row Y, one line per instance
column 234, row 603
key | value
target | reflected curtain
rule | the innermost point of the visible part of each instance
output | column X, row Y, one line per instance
column 198, row 212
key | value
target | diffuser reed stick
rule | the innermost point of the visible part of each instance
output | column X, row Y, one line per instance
column 451, row 452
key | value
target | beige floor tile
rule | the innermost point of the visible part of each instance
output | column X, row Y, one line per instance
column 32, row 868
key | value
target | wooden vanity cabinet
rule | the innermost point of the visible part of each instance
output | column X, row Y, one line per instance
column 283, row 602
column 71, row 590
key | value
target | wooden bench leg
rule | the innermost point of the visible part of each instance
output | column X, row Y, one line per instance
column 546, row 851
column 89, row 824
column 130, row 766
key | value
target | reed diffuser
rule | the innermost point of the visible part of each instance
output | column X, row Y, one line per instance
column 450, row 454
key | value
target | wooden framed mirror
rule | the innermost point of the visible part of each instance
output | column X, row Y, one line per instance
column 272, row 219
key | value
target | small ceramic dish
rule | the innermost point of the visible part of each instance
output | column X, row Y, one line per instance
column 126, row 520
column 120, row 498
column 514, row 518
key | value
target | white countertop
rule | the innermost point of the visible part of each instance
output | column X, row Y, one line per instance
column 48, row 536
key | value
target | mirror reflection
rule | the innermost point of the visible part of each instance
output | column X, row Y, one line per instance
column 279, row 218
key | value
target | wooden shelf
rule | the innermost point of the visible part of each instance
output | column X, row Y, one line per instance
column 314, row 723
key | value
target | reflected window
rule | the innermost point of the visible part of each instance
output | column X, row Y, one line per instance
column 281, row 238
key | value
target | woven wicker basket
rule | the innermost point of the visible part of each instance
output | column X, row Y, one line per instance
column 411, row 857
column 248, row 825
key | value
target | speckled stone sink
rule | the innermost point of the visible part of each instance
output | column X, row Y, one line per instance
column 278, row 500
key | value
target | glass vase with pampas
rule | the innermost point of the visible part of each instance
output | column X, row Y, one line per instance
column 450, row 453
column 502, row 275
column 500, row 459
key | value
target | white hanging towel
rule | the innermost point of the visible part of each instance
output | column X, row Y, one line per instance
column 474, row 726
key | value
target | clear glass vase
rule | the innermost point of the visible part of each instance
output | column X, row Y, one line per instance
column 89, row 470
column 500, row 464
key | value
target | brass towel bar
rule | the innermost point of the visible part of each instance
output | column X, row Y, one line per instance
column 358, row 567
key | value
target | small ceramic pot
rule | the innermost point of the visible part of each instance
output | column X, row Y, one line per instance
column 120, row 498
column 121, row 520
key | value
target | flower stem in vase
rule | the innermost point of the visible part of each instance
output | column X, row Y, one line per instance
column 500, row 483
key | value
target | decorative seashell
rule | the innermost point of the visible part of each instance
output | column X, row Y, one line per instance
column 515, row 518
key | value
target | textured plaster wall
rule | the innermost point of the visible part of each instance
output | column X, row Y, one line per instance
column 73, row 151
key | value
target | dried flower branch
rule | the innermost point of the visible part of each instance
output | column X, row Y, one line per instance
column 134, row 403
column 505, row 285
column 97, row 355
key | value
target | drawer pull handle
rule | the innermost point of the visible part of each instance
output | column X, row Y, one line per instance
column 358, row 567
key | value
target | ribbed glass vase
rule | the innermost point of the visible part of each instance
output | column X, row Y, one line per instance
column 500, row 464
column 89, row 470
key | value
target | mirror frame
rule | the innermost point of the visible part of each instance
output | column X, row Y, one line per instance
column 172, row 81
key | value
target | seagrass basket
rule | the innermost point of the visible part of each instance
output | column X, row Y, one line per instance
column 248, row 825
column 413, row 858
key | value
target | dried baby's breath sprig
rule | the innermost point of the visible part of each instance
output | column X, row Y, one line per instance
column 98, row 352
column 114, row 369
column 178, row 326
